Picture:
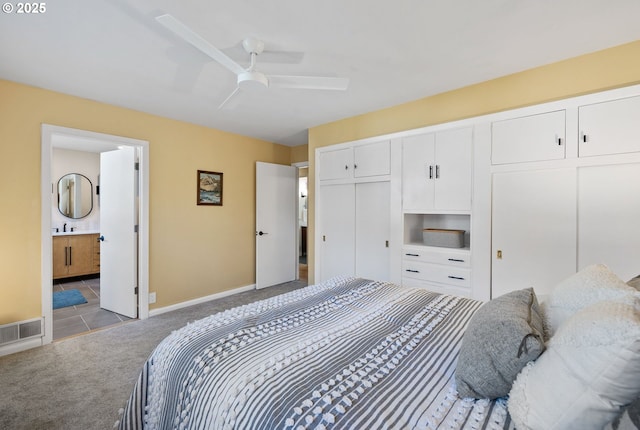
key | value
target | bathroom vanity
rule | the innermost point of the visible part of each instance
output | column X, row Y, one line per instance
column 75, row 254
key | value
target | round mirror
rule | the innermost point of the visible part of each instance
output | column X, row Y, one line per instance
column 75, row 195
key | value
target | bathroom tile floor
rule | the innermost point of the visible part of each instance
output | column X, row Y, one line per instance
column 78, row 319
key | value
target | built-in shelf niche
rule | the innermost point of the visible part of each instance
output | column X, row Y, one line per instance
column 415, row 223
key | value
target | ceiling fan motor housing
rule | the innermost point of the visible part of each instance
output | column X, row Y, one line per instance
column 252, row 80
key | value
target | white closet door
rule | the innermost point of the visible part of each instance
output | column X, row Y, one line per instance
column 610, row 127
column 418, row 176
column 533, row 230
column 337, row 230
column 372, row 230
column 453, row 169
column 609, row 218
column 530, row 138
column 336, row 164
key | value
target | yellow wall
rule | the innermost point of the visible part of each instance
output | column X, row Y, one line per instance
column 602, row 70
column 194, row 250
column 300, row 153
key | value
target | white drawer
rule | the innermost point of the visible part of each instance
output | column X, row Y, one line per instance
column 437, row 288
column 453, row 257
column 443, row 274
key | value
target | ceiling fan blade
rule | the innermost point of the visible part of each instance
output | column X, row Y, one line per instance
column 309, row 82
column 188, row 35
column 228, row 103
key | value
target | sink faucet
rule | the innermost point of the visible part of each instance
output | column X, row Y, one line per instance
column 64, row 227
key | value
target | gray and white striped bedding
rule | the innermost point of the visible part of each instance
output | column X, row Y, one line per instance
column 345, row 354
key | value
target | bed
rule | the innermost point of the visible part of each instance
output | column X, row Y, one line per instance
column 348, row 353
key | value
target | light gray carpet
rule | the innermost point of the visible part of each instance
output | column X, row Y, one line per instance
column 82, row 382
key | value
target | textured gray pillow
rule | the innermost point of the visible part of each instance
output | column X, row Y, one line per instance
column 503, row 335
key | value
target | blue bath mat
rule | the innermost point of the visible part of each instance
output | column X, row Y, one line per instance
column 62, row 299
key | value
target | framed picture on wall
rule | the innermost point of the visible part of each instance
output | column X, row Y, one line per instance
column 209, row 188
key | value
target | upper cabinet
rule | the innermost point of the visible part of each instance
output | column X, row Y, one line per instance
column 437, row 170
column 530, row 138
column 611, row 127
column 358, row 161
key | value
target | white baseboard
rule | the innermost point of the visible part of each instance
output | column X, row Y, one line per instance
column 165, row 309
column 20, row 345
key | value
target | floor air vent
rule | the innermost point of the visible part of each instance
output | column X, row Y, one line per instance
column 20, row 330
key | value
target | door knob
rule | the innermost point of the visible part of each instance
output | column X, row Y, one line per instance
column 261, row 233
column 101, row 238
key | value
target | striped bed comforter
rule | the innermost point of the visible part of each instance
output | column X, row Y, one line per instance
column 345, row 354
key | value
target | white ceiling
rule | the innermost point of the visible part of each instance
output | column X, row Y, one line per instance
column 393, row 52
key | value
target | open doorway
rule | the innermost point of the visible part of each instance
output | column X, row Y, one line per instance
column 302, row 223
column 81, row 142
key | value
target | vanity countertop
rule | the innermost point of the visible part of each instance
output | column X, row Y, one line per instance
column 74, row 233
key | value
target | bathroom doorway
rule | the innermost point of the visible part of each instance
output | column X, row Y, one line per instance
column 302, row 221
column 81, row 141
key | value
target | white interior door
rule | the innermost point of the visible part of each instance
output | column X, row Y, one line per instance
column 118, row 250
column 276, row 224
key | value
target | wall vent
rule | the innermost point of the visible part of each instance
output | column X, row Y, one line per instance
column 21, row 330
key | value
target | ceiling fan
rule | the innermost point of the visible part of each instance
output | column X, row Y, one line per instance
column 250, row 78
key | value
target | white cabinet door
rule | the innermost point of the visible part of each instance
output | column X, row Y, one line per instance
column 610, row 127
column 533, row 230
column 336, row 225
column 436, row 171
column 336, row 164
column 372, row 230
column 360, row 161
column 531, row 138
column 609, row 218
column 372, row 159
column 418, row 161
column 453, row 169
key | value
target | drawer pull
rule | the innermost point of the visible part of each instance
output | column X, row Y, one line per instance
column 457, row 260
column 412, row 271
column 412, row 255
column 456, row 277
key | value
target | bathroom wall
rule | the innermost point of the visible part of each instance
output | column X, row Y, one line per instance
column 64, row 161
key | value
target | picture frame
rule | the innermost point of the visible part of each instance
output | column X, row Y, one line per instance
column 209, row 188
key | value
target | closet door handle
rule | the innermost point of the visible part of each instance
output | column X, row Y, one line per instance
column 430, row 172
column 437, row 171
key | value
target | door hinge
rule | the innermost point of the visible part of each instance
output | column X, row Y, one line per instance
column 135, row 228
column 137, row 165
column 135, row 290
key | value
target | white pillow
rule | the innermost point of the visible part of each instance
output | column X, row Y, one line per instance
column 590, row 369
column 592, row 284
